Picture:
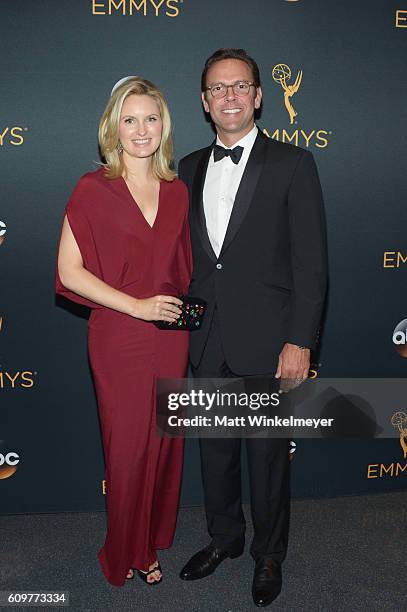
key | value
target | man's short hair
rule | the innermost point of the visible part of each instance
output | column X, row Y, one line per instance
column 223, row 54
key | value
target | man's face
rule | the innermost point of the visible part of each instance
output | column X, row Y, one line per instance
column 232, row 115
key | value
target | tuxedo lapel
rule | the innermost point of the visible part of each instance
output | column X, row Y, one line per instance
column 197, row 202
column 246, row 189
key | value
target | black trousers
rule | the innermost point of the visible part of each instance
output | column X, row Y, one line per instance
column 268, row 463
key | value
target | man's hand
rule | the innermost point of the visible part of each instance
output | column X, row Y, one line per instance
column 293, row 366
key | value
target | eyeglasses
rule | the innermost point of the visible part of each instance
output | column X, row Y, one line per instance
column 240, row 88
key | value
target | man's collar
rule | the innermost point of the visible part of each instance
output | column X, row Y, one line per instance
column 246, row 141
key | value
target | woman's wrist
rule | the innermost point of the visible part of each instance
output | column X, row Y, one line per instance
column 133, row 307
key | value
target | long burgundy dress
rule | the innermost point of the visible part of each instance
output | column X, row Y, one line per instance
column 143, row 471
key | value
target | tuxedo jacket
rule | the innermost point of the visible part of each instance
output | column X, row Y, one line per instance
column 268, row 283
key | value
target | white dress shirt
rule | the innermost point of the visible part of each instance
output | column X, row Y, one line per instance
column 221, row 184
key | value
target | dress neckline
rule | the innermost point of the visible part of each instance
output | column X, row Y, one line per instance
column 135, row 204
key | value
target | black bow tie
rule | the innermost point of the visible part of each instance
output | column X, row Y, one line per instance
column 234, row 154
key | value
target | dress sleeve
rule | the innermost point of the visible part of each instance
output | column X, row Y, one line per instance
column 77, row 213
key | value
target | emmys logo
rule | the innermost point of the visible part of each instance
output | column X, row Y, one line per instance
column 103, row 487
column 380, row 470
column 25, row 380
column 399, row 421
column 401, row 19
column 13, row 136
column 393, row 259
column 169, row 8
column 293, row 448
column 281, row 74
column 8, row 465
column 400, row 338
column 3, row 230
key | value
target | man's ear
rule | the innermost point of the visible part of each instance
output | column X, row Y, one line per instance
column 204, row 102
column 258, row 98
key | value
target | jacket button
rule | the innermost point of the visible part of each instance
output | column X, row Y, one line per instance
column 219, row 266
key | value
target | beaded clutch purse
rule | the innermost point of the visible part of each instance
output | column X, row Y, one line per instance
column 191, row 317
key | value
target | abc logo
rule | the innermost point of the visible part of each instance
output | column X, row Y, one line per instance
column 8, row 464
column 293, row 448
column 400, row 338
column 3, row 230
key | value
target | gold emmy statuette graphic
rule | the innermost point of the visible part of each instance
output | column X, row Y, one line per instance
column 399, row 421
column 281, row 73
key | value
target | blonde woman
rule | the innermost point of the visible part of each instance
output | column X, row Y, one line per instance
column 125, row 253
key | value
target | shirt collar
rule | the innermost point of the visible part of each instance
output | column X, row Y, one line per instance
column 246, row 142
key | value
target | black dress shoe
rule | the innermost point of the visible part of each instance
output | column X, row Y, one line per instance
column 205, row 562
column 267, row 582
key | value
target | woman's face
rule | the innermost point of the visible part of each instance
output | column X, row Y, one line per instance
column 140, row 126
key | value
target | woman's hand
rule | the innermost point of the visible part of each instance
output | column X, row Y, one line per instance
column 158, row 308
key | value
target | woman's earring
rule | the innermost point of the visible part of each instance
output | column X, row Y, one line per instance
column 119, row 147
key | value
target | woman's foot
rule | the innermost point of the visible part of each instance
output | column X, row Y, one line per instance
column 154, row 574
column 151, row 577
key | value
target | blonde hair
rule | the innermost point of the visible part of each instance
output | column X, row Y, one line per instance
column 109, row 130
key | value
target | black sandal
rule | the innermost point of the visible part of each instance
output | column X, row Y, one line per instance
column 143, row 575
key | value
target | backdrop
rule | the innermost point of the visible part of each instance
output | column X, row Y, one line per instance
column 345, row 63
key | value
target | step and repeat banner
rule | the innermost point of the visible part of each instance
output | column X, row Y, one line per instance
column 334, row 82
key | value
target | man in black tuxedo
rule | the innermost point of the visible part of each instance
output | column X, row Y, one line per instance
column 259, row 250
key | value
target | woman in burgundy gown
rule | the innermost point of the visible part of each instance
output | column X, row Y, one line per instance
column 125, row 252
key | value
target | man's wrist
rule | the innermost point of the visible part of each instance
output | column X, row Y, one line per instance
column 299, row 346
